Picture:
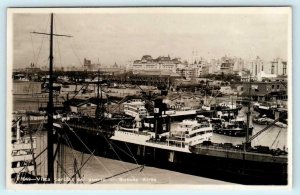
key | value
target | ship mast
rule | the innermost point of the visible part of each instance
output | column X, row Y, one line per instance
column 50, row 136
column 50, row 106
column 99, row 109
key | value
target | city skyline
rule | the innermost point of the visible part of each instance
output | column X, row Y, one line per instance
column 108, row 38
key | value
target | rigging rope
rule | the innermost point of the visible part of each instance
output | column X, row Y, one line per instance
column 106, row 141
column 62, row 168
column 41, row 45
column 266, row 128
column 277, row 137
column 34, row 56
column 59, row 23
column 134, row 158
column 128, row 171
column 70, row 145
column 87, row 148
column 263, row 134
column 82, row 165
column 126, row 152
column 58, row 47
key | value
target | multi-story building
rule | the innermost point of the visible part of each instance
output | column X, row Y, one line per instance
column 215, row 66
column 238, row 64
column 87, row 65
column 256, row 66
column 266, row 91
column 226, row 65
column 206, row 69
column 162, row 63
column 260, row 69
column 278, row 67
column 191, row 71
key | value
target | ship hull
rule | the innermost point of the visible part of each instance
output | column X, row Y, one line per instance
column 205, row 165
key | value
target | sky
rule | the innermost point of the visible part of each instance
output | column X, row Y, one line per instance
column 123, row 37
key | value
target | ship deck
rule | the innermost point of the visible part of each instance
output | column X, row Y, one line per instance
column 238, row 154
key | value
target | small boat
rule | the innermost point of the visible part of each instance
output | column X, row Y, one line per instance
column 262, row 120
column 237, row 128
column 267, row 121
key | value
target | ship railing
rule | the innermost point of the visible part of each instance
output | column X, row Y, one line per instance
column 134, row 132
column 170, row 143
column 27, row 140
column 217, row 147
column 238, row 149
column 95, row 128
column 128, row 129
column 157, row 142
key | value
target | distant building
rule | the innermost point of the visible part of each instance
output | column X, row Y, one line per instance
column 112, row 70
column 162, row 63
column 279, row 67
column 153, row 77
column 32, row 69
column 87, row 62
column 191, row 71
column 83, row 107
column 215, row 65
column 26, row 88
column 115, row 65
column 226, row 65
column 266, row 91
column 206, row 69
column 239, row 64
column 256, row 66
column 180, row 72
column 89, row 66
column 245, row 75
column 227, row 90
column 270, row 69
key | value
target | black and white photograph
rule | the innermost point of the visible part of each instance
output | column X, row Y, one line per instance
column 140, row 97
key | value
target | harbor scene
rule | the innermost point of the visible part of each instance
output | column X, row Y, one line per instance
column 162, row 117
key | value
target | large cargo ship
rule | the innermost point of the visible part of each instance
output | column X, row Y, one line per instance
column 186, row 149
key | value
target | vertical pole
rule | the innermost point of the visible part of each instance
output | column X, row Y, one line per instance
column 248, row 115
column 155, row 127
column 31, row 145
column 75, row 171
column 97, row 109
column 100, row 88
column 18, row 131
column 50, row 110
